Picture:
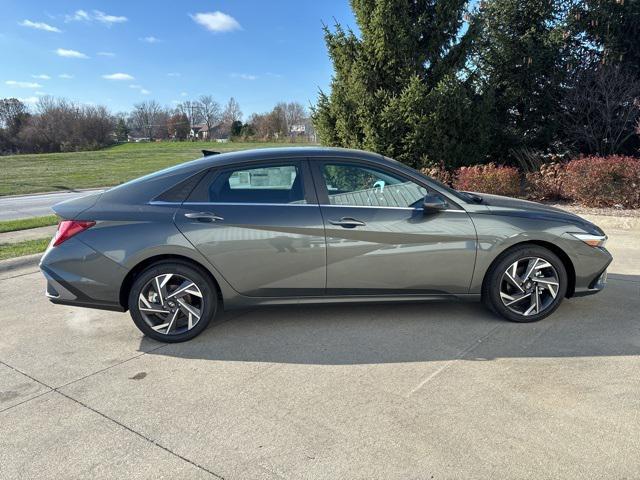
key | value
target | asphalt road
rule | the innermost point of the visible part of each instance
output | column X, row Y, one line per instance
column 35, row 205
column 414, row 391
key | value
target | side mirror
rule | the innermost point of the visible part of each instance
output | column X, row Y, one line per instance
column 434, row 203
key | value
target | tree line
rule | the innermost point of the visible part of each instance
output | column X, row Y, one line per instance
column 59, row 125
column 441, row 83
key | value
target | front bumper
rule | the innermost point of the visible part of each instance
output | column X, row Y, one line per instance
column 590, row 265
column 594, row 287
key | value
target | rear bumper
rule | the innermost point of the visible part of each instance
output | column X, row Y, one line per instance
column 78, row 275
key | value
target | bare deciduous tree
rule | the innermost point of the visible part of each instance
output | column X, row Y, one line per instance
column 210, row 111
column 231, row 114
column 147, row 117
column 192, row 110
column 601, row 109
column 60, row 125
column 293, row 114
column 178, row 126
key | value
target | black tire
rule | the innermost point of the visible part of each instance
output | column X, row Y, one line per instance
column 209, row 300
column 493, row 283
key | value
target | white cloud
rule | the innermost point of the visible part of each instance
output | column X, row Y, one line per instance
column 78, row 16
column 244, row 76
column 106, row 54
column 39, row 26
column 216, row 21
column 108, row 19
column 96, row 15
column 29, row 100
column 118, row 76
column 184, row 94
column 42, row 76
column 63, row 52
column 66, row 76
column 174, row 74
column 150, row 39
column 14, row 83
column 140, row 88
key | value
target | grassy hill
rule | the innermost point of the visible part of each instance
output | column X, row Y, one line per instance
column 22, row 174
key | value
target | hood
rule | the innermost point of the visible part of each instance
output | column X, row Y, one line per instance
column 500, row 205
column 70, row 209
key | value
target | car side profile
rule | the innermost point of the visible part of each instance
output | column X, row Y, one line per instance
column 311, row 225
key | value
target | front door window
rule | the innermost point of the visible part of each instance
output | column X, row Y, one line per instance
column 355, row 185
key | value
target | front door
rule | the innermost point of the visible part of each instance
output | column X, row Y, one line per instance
column 260, row 226
column 381, row 241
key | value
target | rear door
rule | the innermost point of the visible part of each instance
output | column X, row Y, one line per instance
column 259, row 224
column 381, row 241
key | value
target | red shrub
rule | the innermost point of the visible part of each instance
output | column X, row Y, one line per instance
column 439, row 173
column 489, row 178
column 547, row 183
column 604, row 181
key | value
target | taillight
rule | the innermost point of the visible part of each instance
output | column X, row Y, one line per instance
column 69, row 228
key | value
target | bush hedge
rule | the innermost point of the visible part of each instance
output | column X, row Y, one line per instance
column 590, row 181
column 489, row 178
column 604, row 182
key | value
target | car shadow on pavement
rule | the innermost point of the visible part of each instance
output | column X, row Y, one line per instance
column 607, row 324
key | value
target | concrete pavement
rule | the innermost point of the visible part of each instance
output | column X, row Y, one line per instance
column 414, row 391
column 36, row 205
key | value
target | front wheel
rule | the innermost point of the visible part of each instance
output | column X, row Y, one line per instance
column 172, row 301
column 526, row 284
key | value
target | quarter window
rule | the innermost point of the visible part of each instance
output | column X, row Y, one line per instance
column 264, row 184
column 355, row 185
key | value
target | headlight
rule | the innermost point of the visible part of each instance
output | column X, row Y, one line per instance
column 591, row 240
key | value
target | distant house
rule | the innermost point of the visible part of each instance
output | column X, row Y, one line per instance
column 201, row 132
column 135, row 139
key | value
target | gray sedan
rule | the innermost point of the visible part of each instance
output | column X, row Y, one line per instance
column 311, row 225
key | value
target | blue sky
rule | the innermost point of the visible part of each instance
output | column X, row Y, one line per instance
column 118, row 53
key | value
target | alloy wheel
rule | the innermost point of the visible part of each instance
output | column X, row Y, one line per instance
column 171, row 304
column 529, row 286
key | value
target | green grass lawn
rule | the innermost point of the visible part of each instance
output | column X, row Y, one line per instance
column 26, row 223
column 22, row 174
column 11, row 250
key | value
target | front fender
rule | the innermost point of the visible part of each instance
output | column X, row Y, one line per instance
column 498, row 233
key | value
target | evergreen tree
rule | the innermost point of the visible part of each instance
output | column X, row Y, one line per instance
column 122, row 131
column 520, row 55
column 610, row 31
column 397, row 87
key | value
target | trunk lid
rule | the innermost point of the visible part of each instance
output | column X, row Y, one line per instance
column 70, row 209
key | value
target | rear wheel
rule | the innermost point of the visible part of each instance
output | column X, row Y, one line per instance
column 526, row 284
column 172, row 301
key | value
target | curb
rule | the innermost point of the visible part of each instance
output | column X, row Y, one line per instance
column 20, row 262
column 73, row 190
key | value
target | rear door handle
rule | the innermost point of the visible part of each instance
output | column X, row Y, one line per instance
column 347, row 222
column 203, row 216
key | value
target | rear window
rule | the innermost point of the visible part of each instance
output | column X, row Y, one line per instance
column 278, row 183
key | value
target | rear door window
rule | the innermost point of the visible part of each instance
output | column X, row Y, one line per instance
column 275, row 183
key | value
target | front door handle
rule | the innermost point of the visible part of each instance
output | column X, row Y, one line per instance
column 347, row 222
column 203, row 216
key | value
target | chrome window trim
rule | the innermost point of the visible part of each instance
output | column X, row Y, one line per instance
column 257, row 204
column 254, row 204
column 389, row 208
